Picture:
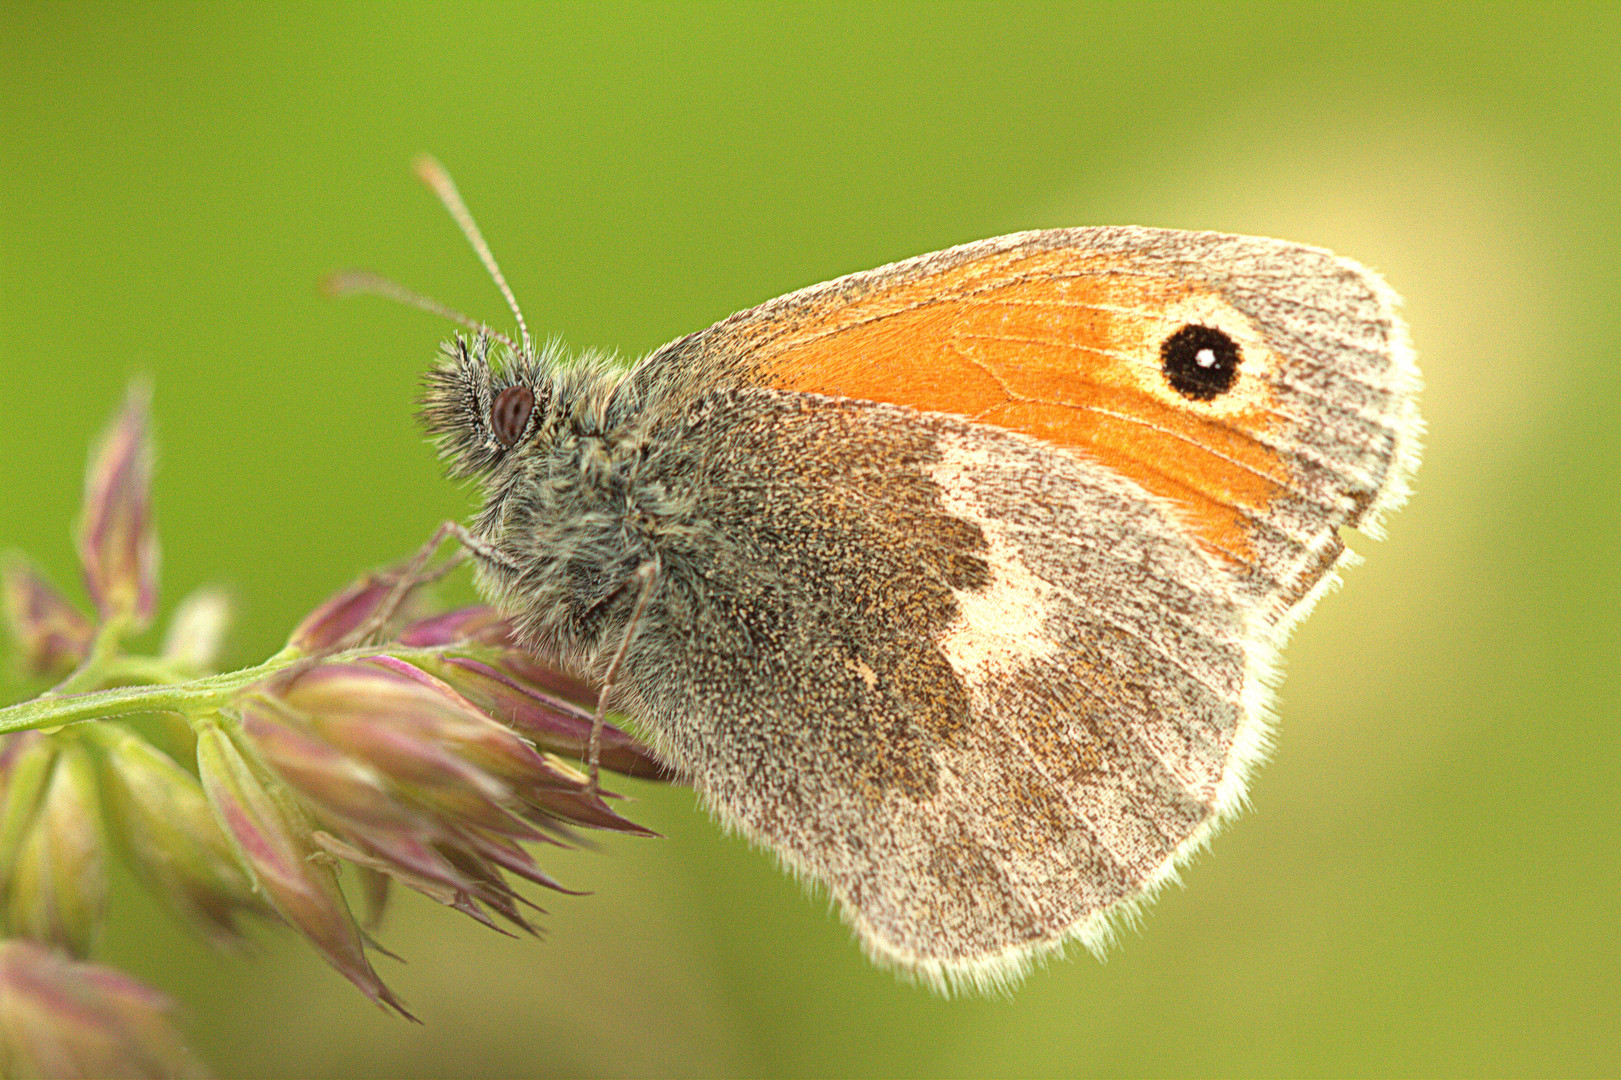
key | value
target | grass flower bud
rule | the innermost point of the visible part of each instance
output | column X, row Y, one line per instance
column 159, row 813
column 118, row 544
column 479, row 624
column 51, row 636
column 57, row 889
column 62, row 1018
column 26, row 761
column 197, row 630
column 543, row 705
column 272, row 838
column 343, row 613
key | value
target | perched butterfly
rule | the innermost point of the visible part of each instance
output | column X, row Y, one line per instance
column 958, row 583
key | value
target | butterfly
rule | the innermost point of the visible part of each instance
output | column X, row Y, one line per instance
column 960, row 583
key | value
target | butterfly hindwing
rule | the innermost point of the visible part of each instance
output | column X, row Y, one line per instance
column 985, row 691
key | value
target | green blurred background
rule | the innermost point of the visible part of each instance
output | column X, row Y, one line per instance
column 1427, row 882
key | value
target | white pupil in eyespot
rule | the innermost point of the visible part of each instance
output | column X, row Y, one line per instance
column 1205, row 358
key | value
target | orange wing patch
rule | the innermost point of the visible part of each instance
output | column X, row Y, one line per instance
column 1061, row 346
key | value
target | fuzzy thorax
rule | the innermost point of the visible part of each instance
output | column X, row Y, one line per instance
column 564, row 506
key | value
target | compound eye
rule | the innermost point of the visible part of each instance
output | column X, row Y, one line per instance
column 510, row 414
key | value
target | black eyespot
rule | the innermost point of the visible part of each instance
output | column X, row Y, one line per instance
column 510, row 414
column 1200, row 362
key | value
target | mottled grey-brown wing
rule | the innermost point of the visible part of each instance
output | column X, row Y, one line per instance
column 985, row 692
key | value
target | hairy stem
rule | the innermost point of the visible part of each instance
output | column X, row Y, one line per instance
column 189, row 697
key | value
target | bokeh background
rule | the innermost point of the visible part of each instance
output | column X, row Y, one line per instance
column 1428, row 880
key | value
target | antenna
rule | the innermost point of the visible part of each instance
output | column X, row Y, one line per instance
column 346, row 282
column 434, row 175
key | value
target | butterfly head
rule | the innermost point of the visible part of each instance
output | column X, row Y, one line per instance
column 478, row 413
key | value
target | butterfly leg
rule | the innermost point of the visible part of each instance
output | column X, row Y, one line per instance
column 414, row 574
column 646, row 574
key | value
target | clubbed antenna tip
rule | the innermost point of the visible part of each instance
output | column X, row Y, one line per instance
column 434, row 175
